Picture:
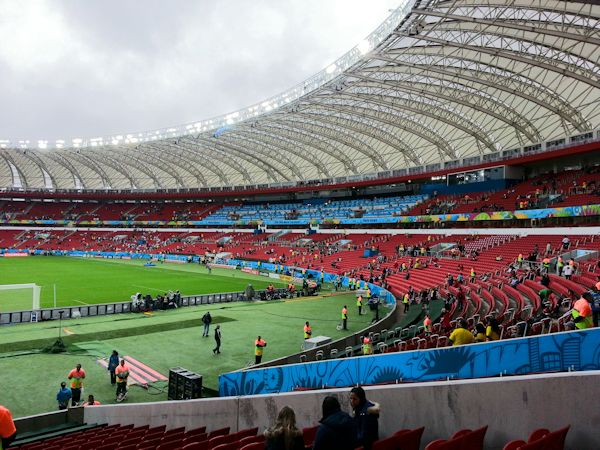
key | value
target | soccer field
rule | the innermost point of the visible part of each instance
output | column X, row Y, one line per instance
column 81, row 281
column 163, row 340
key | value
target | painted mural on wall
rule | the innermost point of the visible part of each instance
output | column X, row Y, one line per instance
column 567, row 211
column 576, row 350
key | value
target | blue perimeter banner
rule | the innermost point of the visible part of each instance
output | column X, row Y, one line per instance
column 573, row 350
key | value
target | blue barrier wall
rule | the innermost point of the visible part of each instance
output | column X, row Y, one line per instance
column 575, row 350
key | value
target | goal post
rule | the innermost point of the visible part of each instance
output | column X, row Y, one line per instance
column 14, row 297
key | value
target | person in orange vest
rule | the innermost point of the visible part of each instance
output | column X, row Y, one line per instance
column 259, row 344
column 359, row 303
column 91, row 401
column 8, row 431
column 122, row 373
column 582, row 312
column 77, row 375
column 345, row 317
column 307, row 330
column 546, row 264
column 367, row 346
column 427, row 324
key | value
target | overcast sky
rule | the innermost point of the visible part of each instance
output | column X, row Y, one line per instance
column 75, row 68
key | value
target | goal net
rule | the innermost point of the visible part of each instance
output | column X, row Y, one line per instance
column 19, row 297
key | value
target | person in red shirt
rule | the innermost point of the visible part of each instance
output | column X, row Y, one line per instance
column 91, row 401
column 8, row 431
column 76, row 376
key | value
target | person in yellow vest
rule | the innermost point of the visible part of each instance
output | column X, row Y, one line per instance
column 546, row 264
column 307, row 330
column 122, row 373
column 406, row 302
column 77, row 375
column 359, row 304
column 345, row 317
column 520, row 260
column 403, row 267
column 582, row 312
column 259, row 344
column 367, row 346
column 559, row 266
column 472, row 275
column 427, row 325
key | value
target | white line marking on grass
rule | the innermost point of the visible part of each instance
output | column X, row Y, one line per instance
column 83, row 303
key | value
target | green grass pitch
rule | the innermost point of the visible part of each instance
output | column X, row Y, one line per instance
column 164, row 340
column 81, row 281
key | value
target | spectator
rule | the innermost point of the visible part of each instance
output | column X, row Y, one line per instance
column 206, row 320
column 461, row 335
column 63, row 397
column 284, row 435
column 548, row 249
column 113, row 362
column 568, row 271
column 77, row 375
column 480, row 332
column 8, row 431
column 336, row 429
column 366, row 418
column 91, row 401
column 492, row 332
column 249, row 292
column 566, row 243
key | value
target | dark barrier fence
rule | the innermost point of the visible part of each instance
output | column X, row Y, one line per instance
column 69, row 312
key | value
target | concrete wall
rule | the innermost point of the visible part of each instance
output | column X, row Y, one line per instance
column 512, row 407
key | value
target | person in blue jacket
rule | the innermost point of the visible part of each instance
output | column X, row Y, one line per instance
column 337, row 429
column 63, row 396
column 366, row 418
column 113, row 362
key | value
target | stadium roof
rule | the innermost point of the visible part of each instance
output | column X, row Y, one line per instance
column 438, row 81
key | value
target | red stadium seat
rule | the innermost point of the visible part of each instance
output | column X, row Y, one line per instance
column 409, row 439
column 219, row 432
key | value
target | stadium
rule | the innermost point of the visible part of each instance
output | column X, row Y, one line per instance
column 429, row 202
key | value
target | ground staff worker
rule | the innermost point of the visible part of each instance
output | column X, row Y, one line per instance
column 8, row 431
column 359, row 303
column 122, row 373
column 345, row 317
column 307, row 330
column 260, row 344
column 77, row 375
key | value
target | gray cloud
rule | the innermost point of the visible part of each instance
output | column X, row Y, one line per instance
column 71, row 68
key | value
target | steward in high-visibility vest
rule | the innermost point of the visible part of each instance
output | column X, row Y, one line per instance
column 367, row 346
column 559, row 265
column 427, row 324
column 582, row 313
column 307, row 330
column 368, row 294
column 406, row 301
column 260, row 344
column 520, row 259
column 345, row 317
column 359, row 303
column 546, row 263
